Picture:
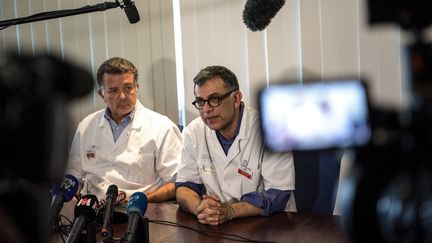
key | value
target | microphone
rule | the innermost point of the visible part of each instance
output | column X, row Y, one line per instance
column 257, row 14
column 131, row 11
column 111, row 197
column 121, row 197
column 62, row 193
column 85, row 211
column 136, row 208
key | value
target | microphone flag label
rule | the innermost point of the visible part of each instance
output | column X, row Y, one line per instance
column 121, row 197
column 67, row 184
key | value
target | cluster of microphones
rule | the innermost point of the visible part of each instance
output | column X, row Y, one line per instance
column 88, row 208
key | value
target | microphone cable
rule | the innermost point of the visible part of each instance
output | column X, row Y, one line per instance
column 65, row 226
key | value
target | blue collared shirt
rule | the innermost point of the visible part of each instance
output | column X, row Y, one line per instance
column 226, row 143
column 118, row 128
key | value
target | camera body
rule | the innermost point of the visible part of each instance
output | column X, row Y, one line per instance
column 387, row 195
column 35, row 91
column 34, row 96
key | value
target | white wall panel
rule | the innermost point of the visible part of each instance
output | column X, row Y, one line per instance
column 257, row 72
column 10, row 36
column 53, row 28
column 380, row 61
column 213, row 34
column 348, row 39
column 311, row 37
column 284, row 44
column 163, row 65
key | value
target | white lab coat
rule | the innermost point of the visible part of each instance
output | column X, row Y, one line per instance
column 204, row 161
column 144, row 157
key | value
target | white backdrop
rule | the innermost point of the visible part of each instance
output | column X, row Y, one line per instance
column 307, row 37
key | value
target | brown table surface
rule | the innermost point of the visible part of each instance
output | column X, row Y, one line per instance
column 279, row 227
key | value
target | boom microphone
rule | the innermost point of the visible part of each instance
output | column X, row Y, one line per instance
column 62, row 193
column 257, row 14
column 136, row 208
column 111, row 197
column 84, row 212
column 131, row 11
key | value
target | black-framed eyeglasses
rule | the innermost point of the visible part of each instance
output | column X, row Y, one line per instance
column 212, row 101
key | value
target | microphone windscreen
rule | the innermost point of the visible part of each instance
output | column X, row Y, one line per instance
column 137, row 203
column 131, row 11
column 257, row 14
column 87, row 207
column 132, row 14
column 67, row 188
column 112, row 191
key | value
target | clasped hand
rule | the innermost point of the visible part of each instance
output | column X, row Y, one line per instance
column 213, row 212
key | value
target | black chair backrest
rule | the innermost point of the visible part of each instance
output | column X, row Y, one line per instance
column 317, row 177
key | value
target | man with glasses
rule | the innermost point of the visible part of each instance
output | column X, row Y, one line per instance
column 125, row 144
column 225, row 171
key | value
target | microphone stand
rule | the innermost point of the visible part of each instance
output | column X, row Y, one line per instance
column 109, row 238
column 91, row 233
column 142, row 232
column 60, row 13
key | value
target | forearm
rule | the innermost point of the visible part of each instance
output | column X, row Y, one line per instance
column 244, row 209
column 188, row 200
column 212, row 211
column 163, row 193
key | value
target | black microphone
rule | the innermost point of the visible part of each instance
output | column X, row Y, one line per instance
column 84, row 212
column 111, row 197
column 131, row 11
column 63, row 192
column 136, row 207
column 257, row 14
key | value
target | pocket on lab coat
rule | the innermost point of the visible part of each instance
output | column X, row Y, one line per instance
column 207, row 170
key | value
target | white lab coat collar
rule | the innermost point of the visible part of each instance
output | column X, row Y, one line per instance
column 138, row 120
column 136, row 124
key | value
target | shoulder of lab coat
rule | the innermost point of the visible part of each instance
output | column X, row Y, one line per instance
column 74, row 162
column 166, row 135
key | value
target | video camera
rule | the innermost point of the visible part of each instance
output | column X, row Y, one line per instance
column 34, row 94
column 387, row 196
column 35, row 91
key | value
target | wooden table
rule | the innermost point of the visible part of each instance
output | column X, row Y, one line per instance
column 279, row 227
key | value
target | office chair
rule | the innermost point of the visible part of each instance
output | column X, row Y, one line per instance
column 317, row 178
